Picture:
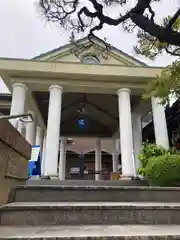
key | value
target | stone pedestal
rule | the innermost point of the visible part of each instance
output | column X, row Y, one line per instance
column 15, row 152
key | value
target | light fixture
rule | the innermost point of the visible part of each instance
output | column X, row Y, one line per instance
column 81, row 122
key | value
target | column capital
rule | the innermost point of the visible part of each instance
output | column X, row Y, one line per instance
column 22, row 85
column 123, row 90
column 56, row 87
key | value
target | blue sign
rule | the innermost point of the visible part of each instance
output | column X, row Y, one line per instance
column 34, row 164
column 30, row 167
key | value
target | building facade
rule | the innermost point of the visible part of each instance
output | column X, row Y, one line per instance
column 81, row 91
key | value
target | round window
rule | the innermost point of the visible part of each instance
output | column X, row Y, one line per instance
column 89, row 59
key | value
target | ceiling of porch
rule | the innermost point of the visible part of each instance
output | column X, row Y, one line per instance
column 100, row 113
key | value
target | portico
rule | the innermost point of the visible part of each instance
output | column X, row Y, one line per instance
column 117, row 83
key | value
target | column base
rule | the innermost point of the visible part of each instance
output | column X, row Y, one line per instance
column 49, row 177
column 136, row 178
column 61, row 179
column 54, row 177
column 140, row 177
column 127, row 177
column 45, row 178
column 34, row 177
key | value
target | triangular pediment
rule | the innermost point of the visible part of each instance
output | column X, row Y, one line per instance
column 76, row 51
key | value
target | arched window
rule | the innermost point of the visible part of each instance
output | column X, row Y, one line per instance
column 90, row 59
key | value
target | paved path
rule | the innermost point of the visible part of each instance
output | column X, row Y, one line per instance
column 89, row 231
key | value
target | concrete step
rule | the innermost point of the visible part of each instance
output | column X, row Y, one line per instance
column 88, row 182
column 86, row 213
column 130, row 232
column 55, row 193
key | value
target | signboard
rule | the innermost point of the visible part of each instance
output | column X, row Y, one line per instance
column 34, row 164
column 35, row 153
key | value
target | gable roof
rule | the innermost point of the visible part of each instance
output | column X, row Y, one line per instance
column 98, row 41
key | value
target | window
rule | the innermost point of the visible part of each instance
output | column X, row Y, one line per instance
column 90, row 59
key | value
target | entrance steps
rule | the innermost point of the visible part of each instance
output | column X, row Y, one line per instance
column 51, row 211
column 125, row 232
column 87, row 213
column 94, row 193
column 55, row 182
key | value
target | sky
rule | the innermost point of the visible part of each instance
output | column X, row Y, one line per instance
column 25, row 34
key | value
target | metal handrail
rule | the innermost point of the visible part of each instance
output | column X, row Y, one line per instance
column 22, row 117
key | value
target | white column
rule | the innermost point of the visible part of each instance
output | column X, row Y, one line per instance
column 98, row 160
column 53, row 130
column 39, row 141
column 117, row 143
column 160, row 125
column 18, row 101
column 137, row 136
column 20, row 127
column 31, row 129
column 115, row 161
column 43, row 170
column 39, row 136
column 126, row 136
column 62, row 160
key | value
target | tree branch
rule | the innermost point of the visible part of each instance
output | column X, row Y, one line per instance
column 173, row 19
column 165, row 35
column 54, row 10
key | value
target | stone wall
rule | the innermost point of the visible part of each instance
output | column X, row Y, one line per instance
column 15, row 152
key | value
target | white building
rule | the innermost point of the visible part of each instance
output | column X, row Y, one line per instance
column 87, row 84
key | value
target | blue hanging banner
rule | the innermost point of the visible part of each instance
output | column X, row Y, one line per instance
column 34, row 164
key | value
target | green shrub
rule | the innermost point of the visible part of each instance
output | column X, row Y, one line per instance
column 163, row 170
column 149, row 150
